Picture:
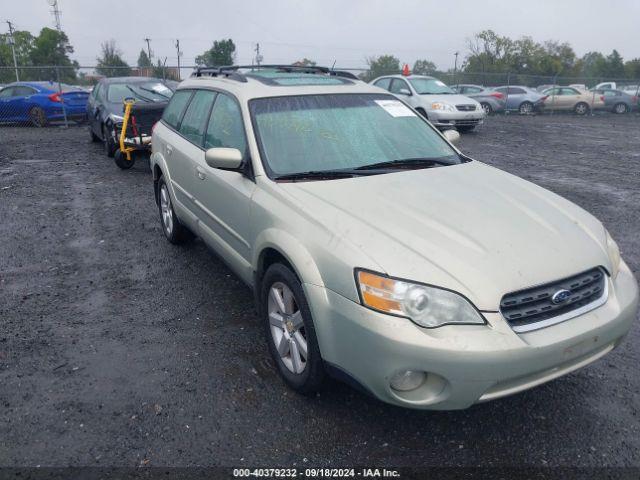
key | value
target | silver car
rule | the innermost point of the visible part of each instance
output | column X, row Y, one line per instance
column 442, row 106
column 490, row 100
column 377, row 252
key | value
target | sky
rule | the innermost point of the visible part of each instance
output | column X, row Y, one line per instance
column 345, row 32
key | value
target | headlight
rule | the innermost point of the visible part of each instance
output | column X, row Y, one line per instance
column 614, row 255
column 426, row 306
column 445, row 107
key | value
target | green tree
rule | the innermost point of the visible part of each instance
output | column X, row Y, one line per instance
column 615, row 65
column 111, row 64
column 222, row 52
column 144, row 60
column 424, row 67
column 52, row 47
column 593, row 65
column 382, row 65
column 632, row 69
column 23, row 43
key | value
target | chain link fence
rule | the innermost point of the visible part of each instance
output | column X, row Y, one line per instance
column 52, row 95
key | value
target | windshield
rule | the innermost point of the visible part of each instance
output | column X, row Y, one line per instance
column 429, row 86
column 141, row 91
column 322, row 133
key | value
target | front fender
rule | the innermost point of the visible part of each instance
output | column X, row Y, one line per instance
column 291, row 249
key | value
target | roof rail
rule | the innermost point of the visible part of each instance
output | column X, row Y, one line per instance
column 231, row 71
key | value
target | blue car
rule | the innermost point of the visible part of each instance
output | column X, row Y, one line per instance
column 41, row 102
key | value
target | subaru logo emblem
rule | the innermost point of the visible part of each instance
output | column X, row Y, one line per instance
column 561, row 296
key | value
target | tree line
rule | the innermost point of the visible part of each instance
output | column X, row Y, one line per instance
column 487, row 53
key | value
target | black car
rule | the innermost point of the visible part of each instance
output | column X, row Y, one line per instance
column 106, row 104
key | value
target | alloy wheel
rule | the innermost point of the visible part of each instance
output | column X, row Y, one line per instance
column 287, row 328
column 621, row 108
column 165, row 209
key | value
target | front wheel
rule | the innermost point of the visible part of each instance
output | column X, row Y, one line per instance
column 525, row 108
column 290, row 331
column 37, row 117
column 109, row 144
column 487, row 108
column 581, row 108
column 122, row 161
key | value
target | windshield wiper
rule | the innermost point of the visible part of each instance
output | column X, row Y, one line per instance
column 154, row 91
column 406, row 162
column 319, row 175
column 141, row 97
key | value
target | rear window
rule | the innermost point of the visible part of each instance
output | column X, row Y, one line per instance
column 173, row 112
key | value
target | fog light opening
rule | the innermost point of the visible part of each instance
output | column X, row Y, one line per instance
column 407, row 380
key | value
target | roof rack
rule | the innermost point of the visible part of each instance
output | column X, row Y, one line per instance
column 231, row 71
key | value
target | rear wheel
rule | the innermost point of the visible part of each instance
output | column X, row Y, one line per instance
column 487, row 108
column 175, row 232
column 290, row 331
column 37, row 117
column 525, row 108
column 620, row 108
column 581, row 108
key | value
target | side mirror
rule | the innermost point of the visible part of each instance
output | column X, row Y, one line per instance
column 404, row 91
column 452, row 135
column 227, row 158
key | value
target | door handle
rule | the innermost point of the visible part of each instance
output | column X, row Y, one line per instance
column 200, row 173
column 169, row 149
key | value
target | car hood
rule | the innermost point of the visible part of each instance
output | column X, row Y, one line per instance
column 471, row 228
column 453, row 99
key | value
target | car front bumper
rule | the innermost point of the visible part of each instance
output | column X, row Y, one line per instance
column 442, row 119
column 465, row 364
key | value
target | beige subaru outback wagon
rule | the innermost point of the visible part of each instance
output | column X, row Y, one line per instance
column 377, row 251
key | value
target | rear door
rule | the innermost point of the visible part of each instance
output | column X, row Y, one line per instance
column 224, row 197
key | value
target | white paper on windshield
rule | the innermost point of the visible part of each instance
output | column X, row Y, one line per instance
column 395, row 108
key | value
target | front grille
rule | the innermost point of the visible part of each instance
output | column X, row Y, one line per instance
column 466, row 108
column 466, row 123
column 534, row 307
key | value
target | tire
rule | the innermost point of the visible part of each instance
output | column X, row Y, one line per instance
column 466, row 129
column 109, row 146
column 581, row 108
column 620, row 108
column 289, row 329
column 94, row 138
column 525, row 108
column 121, row 160
column 37, row 117
column 422, row 112
column 487, row 108
column 175, row 232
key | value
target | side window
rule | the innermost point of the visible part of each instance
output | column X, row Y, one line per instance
column 23, row 91
column 225, row 126
column 501, row 90
column 515, row 91
column 383, row 83
column 173, row 112
column 6, row 92
column 472, row 90
column 96, row 90
column 398, row 85
column 195, row 118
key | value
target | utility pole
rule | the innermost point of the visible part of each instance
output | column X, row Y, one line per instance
column 148, row 40
column 56, row 14
column 12, row 42
column 455, row 69
column 258, row 56
column 179, row 53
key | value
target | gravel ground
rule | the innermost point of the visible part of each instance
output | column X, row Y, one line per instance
column 117, row 348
